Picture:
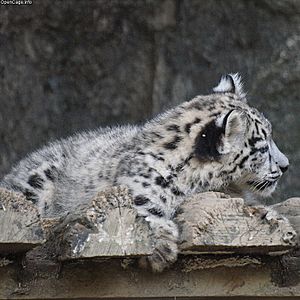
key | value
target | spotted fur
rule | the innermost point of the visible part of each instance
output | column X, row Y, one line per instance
column 210, row 143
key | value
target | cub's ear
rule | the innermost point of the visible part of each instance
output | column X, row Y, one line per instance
column 231, row 83
column 234, row 126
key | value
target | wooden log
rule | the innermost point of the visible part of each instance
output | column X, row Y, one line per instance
column 210, row 223
column 290, row 208
column 289, row 264
column 20, row 227
column 106, row 227
column 215, row 223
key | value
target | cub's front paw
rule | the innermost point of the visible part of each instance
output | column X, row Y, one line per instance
column 164, row 255
column 165, row 238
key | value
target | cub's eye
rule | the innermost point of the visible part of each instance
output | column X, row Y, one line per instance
column 263, row 149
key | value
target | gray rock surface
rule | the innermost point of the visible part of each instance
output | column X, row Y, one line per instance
column 68, row 65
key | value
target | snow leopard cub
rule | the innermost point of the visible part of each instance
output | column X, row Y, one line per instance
column 204, row 144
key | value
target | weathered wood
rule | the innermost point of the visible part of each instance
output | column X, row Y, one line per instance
column 107, row 227
column 290, row 264
column 210, row 223
column 215, row 223
column 108, row 280
column 20, row 227
column 291, row 210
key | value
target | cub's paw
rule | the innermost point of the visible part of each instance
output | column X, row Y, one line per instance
column 164, row 255
column 165, row 238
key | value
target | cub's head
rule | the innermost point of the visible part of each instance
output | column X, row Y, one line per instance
column 239, row 137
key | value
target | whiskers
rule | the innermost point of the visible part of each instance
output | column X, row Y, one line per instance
column 260, row 185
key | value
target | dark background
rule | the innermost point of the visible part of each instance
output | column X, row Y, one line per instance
column 66, row 66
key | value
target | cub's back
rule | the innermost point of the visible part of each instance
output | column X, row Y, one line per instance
column 66, row 172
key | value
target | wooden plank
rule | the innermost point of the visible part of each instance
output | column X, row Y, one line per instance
column 20, row 227
column 109, row 280
column 215, row 223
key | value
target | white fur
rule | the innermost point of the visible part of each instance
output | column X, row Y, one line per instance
column 227, row 86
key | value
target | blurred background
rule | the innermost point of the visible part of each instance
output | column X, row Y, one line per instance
column 67, row 66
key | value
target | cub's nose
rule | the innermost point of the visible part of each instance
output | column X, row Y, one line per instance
column 284, row 169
